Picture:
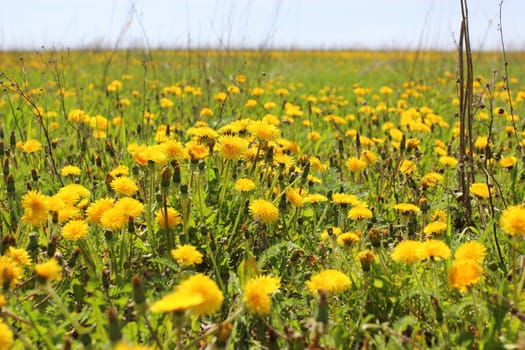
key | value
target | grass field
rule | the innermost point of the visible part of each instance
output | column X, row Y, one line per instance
column 260, row 200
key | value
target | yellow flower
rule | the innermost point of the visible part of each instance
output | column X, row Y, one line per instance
column 464, row 273
column 98, row 122
column 244, row 185
column 369, row 157
column 77, row 116
column 204, row 286
column 480, row 190
column 206, row 112
column 124, row 185
column 435, row 227
column 31, row 146
column 177, row 301
column 481, row 142
column 6, row 336
column 331, row 281
column 122, row 345
column 130, row 206
column 232, row 147
column 434, row 249
column 366, row 258
column 263, row 130
column 472, row 250
column 344, row 198
column 256, row 296
column 70, row 170
column 35, row 207
column 166, row 102
column 360, row 212
column 507, row 162
column 197, row 151
column 49, row 270
column 448, row 161
column 171, row 220
column 72, row 193
column 330, row 232
column 264, row 211
column 355, row 164
column 407, row 208
column 96, row 209
column 407, row 251
column 407, row 167
column 431, row 179
column 19, row 256
column 75, row 229
column 315, row 198
column 220, row 97
column 512, row 220
column 114, row 219
column 186, row 255
column 10, row 272
column 294, row 197
column 347, row 238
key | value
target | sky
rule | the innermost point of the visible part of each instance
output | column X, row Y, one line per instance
column 302, row 24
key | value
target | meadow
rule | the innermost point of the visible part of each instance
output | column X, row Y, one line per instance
column 260, row 200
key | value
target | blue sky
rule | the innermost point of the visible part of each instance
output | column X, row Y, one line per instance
column 372, row 24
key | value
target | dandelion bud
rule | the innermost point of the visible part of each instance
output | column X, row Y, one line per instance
column 1, row 129
column 106, row 278
column 322, row 309
column 176, row 172
column 98, row 161
column 83, row 146
column 113, row 329
column 108, row 180
column 366, row 258
column 12, row 140
column 74, row 257
column 139, row 295
column 110, row 149
column 34, row 175
column 340, row 146
column 5, row 168
column 32, row 246
column 165, row 177
column 52, row 246
column 437, row 309
column 2, row 150
column 306, row 171
column 54, row 217
column 184, row 189
column 223, row 334
column 108, row 235
column 10, row 184
column 403, row 144
column 131, row 224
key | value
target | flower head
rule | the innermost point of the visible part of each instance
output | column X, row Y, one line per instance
column 207, row 289
column 435, row 227
column 186, row 255
column 10, row 272
column 232, row 147
column 408, row 251
column 360, row 212
column 331, row 281
column 356, row 165
column 244, row 185
column 6, row 336
column 257, row 292
column 407, row 208
column 75, row 229
column 49, row 270
column 264, row 211
column 472, row 250
column 434, row 249
column 70, row 170
column 169, row 218
column 512, row 220
column 124, row 185
column 480, row 190
column 464, row 273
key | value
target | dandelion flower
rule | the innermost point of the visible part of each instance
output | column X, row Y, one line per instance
column 177, row 301
column 205, row 287
column 263, row 130
column 431, row 179
column 407, row 167
column 407, row 208
column 130, row 206
column 114, row 219
column 31, row 146
column 356, row 165
column 434, row 249
column 315, row 198
column 244, row 185
column 512, row 221
column 206, row 112
column 70, row 170
column 186, row 255
column 435, row 227
column 10, row 272
column 124, row 185
column 75, row 229
column 359, row 213
column 507, row 162
column 294, row 197
column 480, row 190
column 256, row 296
column 19, row 256
column 6, row 336
column 344, row 198
column 348, row 238
column 264, row 211
column 472, row 250
column 49, row 270
column 408, row 251
column 232, row 147
column 366, row 258
column 170, row 220
column 464, row 273
column 35, row 207
column 96, row 209
column 331, row 281
column 448, row 161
